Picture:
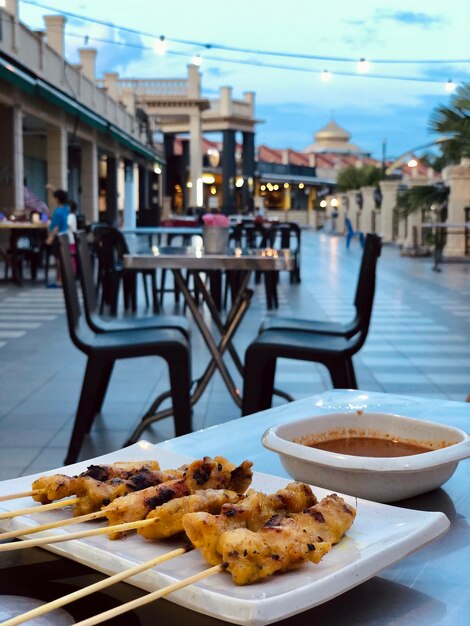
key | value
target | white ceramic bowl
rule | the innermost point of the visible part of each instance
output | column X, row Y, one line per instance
column 380, row 479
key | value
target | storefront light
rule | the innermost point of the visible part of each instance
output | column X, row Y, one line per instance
column 213, row 191
column 334, row 202
column 239, row 182
column 263, row 187
column 208, row 179
column 157, row 169
column 189, row 184
column 301, row 185
column 323, row 204
column 276, row 187
column 286, row 185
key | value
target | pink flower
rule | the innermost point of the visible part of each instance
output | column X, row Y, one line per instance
column 216, row 219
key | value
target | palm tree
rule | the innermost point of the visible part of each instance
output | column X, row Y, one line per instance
column 356, row 177
column 454, row 122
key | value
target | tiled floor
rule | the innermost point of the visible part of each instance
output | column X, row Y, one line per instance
column 419, row 344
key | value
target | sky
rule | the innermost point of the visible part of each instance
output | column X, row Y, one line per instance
column 292, row 103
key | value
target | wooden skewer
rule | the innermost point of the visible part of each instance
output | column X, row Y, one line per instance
column 13, row 534
column 39, row 508
column 102, row 584
column 93, row 532
column 22, row 494
column 151, row 597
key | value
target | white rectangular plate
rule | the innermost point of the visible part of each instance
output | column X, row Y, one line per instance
column 380, row 536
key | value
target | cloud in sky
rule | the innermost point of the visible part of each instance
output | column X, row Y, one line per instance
column 412, row 18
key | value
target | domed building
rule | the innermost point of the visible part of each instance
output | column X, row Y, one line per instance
column 333, row 139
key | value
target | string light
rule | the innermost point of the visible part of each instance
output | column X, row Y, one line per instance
column 325, row 76
column 160, row 45
column 450, row 86
column 363, row 66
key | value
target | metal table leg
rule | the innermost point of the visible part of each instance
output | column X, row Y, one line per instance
column 236, row 314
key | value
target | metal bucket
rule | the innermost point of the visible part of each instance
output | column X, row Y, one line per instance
column 215, row 239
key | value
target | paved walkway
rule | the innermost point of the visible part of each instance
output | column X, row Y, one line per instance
column 419, row 344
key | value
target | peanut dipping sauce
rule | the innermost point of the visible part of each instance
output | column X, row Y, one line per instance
column 370, row 446
column 368, row 443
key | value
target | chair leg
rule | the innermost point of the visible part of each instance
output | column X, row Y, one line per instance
column 106, row 369
column 156, row 305
column 258, row 382
column 92, row 383
column 342, row 373
column 180, row 383
column 146, row 291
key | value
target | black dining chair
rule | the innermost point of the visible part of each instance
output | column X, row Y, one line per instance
column 361, row 301
column 111, row 246
column 333, row 351
column 103, row 349
column 100, row 325
column 288, row 237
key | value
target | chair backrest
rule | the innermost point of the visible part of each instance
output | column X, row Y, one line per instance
column 86, row 276
column 365, row 289
column 110, row 246
column 78, row 333
column 349, row 226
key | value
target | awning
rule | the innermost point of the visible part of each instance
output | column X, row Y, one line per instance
column 14, row 74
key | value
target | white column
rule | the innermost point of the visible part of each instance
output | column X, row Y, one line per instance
column 414, row 220
column 457, row 178
column 129, row 206
column 88, row 62
column 57, row 159
column 55, row 27
column 195, row 156
column 194, row 82
column 18, row 157
column 368, row 207
column 389, row 190
column 111, row 84
column 90, row 199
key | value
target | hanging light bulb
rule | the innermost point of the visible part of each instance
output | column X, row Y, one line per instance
column 197, row 60
column 363, row 66
column 160, row 45
column 325, row 76
column 450, row 86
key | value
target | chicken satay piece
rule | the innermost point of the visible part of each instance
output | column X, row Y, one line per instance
column 219, row 473
column 93, row 494
column 169, row 516
column 54, row 487
column 286, row 542
column 60, row 486
column 204, row 530
column 205, row 473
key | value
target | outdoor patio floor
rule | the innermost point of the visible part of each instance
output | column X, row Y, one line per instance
column 419, row 344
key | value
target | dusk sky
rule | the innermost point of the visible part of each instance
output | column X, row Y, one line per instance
column 293, row 104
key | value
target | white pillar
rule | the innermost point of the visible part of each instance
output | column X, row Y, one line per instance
column 389, row 190
column 195, row 156
column 57, row 160
column 11, row 7
column 111, row 84
column 226, row 104
column 88, row 62
column 368, row 208
column 194, row 82
column 354, row 212
column 129, row 206
column 55, row 26
column 457, row 178
column 18, row 157
column 414, row 220
column 90, row 200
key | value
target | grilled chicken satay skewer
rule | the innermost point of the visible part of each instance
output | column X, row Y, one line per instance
column 332, row 516
column 42, row 485
column 203, row 474
column 204, row 530
column 93, row 494
column 58, row 486
column 167, row 520
column 285, row 542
